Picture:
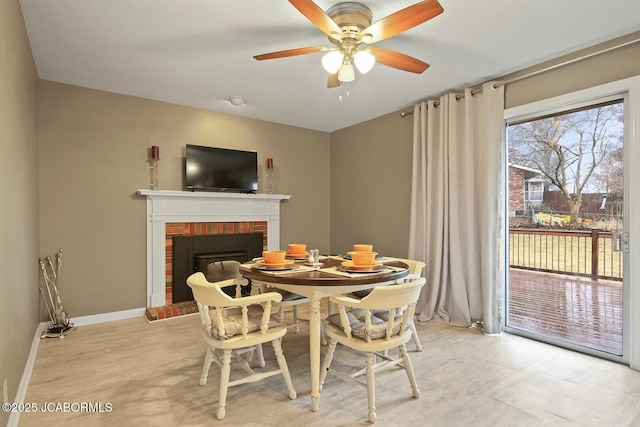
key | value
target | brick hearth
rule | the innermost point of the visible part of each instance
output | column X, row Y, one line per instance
column 171, row 310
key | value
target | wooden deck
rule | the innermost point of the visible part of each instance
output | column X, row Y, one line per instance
column 569, row 308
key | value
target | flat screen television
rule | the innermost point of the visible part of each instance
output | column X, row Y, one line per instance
column 220, row 169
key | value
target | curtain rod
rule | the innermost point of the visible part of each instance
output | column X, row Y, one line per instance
column 569, row 62
column 541, row 71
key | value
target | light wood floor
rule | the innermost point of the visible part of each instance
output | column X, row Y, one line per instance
column 148, row 373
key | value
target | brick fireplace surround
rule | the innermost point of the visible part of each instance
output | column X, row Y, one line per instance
column 172, row 213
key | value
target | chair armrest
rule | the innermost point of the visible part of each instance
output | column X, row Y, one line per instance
column 258, row 298
column 248, row 300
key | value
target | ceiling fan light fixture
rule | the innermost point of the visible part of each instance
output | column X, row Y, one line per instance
column 346, row 73
column 332, row 61
column 364, row 61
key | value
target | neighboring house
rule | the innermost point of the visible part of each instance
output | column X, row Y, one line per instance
column 526, row 189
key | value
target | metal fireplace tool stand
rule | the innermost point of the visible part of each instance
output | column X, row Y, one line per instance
column 49, row 289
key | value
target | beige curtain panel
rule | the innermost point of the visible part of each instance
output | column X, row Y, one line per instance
column 455, row 205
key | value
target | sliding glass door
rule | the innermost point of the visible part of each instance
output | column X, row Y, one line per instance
column 565, row 235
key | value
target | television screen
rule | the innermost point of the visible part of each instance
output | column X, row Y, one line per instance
column 222, row 169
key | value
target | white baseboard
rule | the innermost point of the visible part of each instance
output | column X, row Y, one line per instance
column 107, row 317
column 21, row 393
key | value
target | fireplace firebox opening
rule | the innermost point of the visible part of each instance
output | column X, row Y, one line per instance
column 195, row 253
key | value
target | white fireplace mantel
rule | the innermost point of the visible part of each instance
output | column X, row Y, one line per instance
column 185, row 206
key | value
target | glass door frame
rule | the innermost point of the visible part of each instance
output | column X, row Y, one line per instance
column 629, row 90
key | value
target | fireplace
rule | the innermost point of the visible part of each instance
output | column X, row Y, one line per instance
column 165, row 207
column 195, row 253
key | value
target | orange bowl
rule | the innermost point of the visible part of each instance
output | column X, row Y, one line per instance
column 363, row 258
column 362, row 248
column 273, row 257
column 296, row 248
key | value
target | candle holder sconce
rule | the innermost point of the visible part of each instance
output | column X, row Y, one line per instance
column 270, row 175
column 153, row 167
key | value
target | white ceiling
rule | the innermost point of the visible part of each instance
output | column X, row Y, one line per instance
column 199, row 52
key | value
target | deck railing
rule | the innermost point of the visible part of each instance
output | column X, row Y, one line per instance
column 580, row 253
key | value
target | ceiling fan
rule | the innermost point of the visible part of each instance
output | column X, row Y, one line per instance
column 348, row 26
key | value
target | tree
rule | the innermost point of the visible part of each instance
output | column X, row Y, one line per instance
column 610, row 178
column 574, row 150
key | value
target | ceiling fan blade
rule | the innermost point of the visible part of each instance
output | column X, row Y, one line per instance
column 398, row 60
column 401, row 21
column 333, row 81
column 290, row 52
column 318, row 17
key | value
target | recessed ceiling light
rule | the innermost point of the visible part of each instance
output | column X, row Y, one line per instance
column 236, row 100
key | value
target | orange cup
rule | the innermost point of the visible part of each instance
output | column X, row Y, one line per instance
column 296, row 248
column 363, row 258
column 362, row 248
column 273, row 257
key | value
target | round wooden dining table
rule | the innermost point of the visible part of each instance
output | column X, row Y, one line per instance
column 321, row 282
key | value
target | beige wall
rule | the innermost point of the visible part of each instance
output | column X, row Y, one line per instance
column 19, row 197
column 371, row 185
column 93, row 150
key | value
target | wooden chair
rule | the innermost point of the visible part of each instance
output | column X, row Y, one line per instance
column 374, row 324
column 415, row 271
column 235, row 327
